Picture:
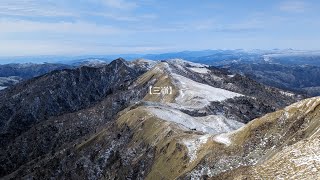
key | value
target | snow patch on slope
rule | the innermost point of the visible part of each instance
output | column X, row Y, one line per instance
column 93, row 63
column 194, row 144
column 208, row 124
column 179, row 118
column 200, row 70
column 223, row 138
column 199, row 95
column 310, row 103
column 220, row 123
column 187, row 63
column 143, row 63
column 286, row 93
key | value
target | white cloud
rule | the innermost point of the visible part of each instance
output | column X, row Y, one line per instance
column 209, row 25
column 32, row 8
column 48, row 8
column 78, row 27
column 120, row 4
column 41, row 47
column 293, row 6
column 125, row 17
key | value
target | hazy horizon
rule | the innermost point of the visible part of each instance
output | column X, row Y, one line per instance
column 177, row 54
column 33, row 28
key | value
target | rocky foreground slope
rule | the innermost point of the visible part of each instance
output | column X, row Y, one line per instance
column 119, row 128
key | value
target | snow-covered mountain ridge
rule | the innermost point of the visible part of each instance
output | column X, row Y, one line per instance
column 211, row 123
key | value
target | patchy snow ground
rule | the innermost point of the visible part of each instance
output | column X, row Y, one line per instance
column 287, row 93
column 194, row 144
column 298, row 161
column 194, row 96
column 223, row 138
column 93, row 63
column 199, row 95
column 201, row 70
column 220, row 123
column 179, row 118
column 309, row 103
column 143, row 63
column 185, row 63
column 211, row 124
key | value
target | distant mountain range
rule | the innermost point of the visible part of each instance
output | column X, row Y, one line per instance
column 221, row 57
column 63, row 59
column 212, row 57
column 11, row 74
column 289, row 69
column 298, row 78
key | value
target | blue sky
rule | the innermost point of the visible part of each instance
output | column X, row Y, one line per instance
column 79, row 27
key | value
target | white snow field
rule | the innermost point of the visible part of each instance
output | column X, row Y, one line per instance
column 212, row 124
column 197, row 95
column 201, row 70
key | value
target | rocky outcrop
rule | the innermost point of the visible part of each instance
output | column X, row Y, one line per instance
column 57, row 93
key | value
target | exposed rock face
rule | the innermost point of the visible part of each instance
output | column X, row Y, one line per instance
column 59, row 92
column 103, row 123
